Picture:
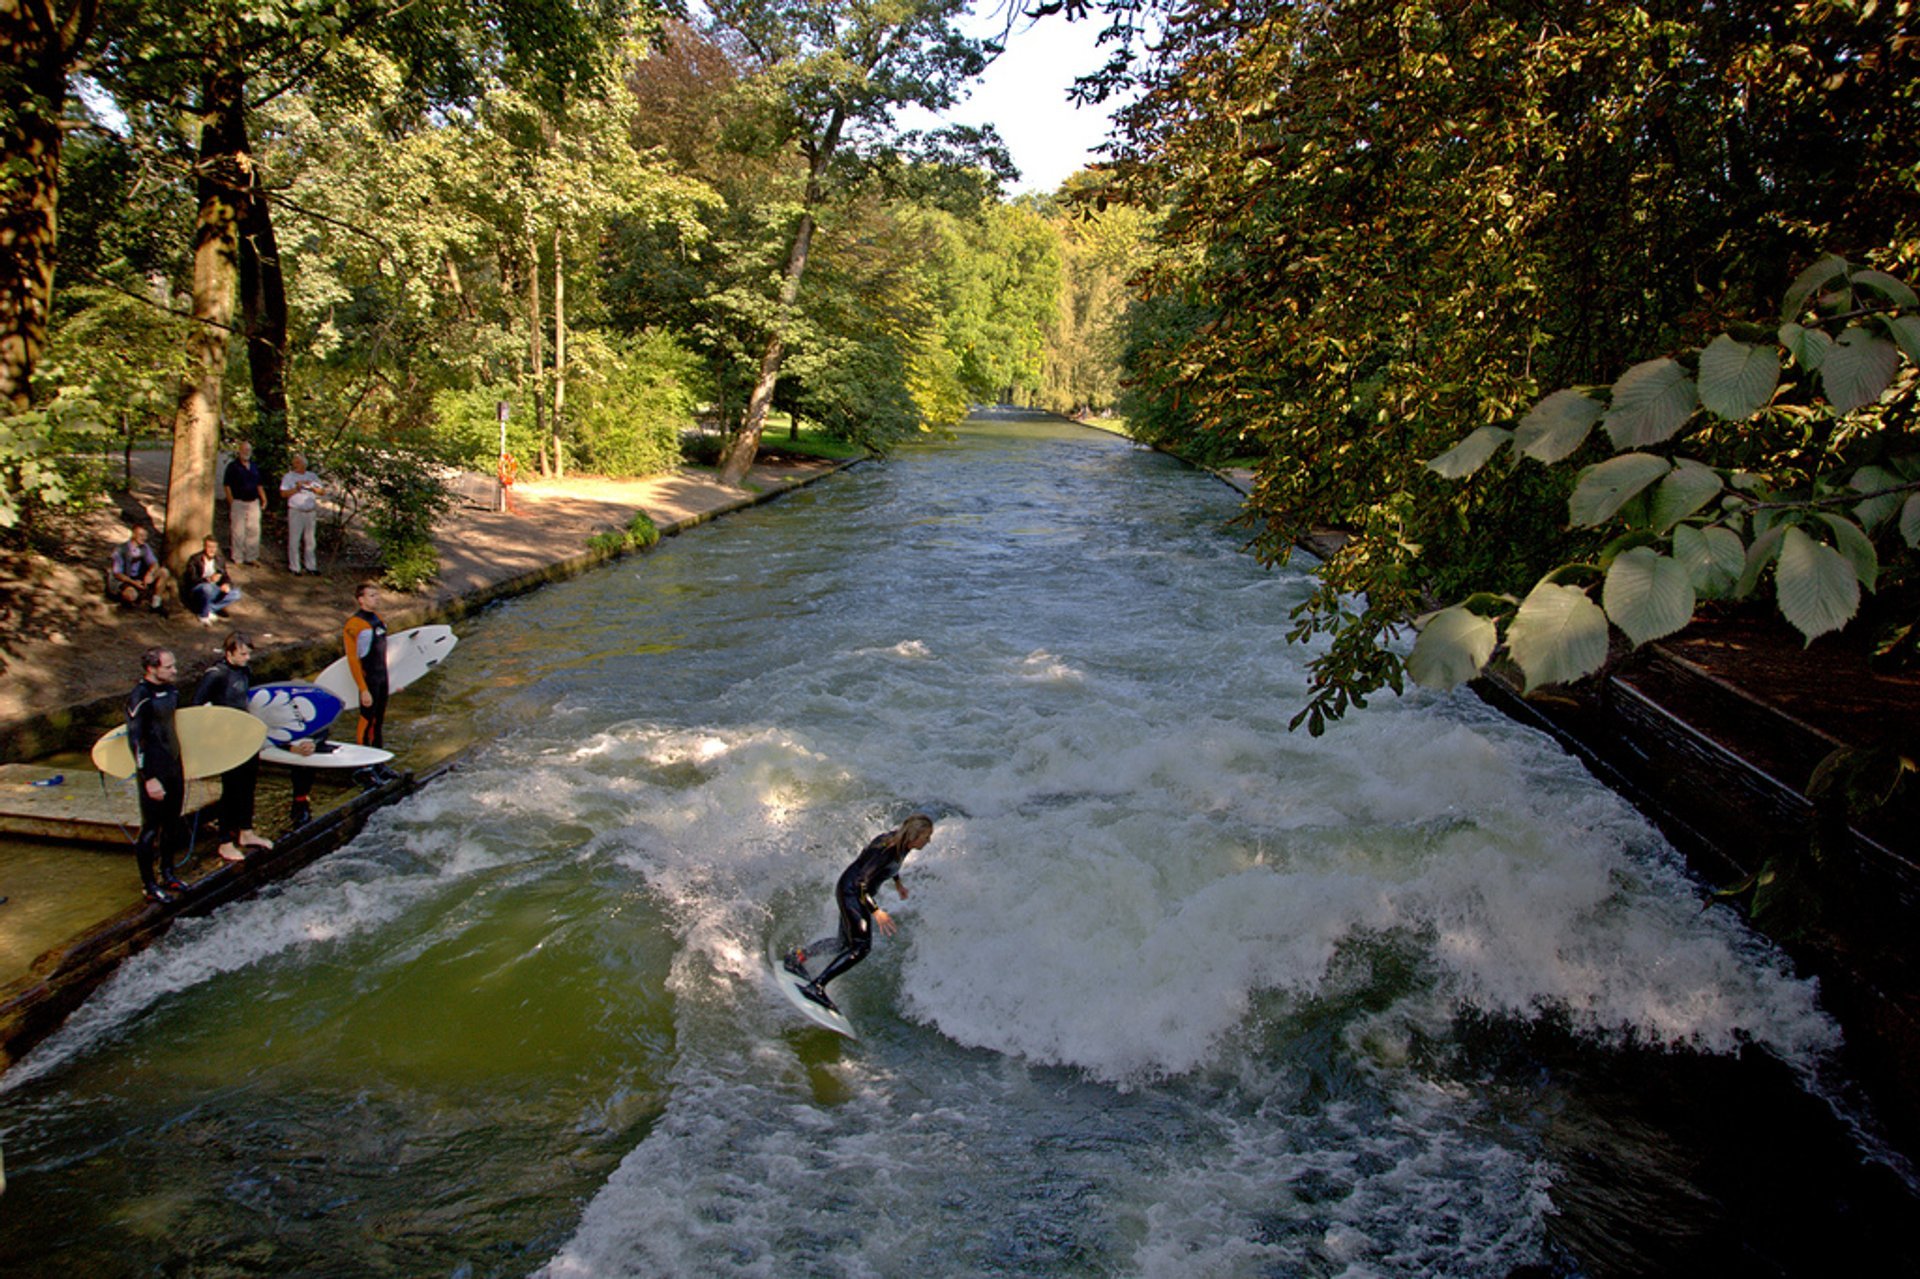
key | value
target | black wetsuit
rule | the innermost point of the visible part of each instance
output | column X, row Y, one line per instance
column 225, row 684
column 156, row 757
column 878, row 862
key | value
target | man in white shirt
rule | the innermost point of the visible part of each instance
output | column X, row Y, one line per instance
column 301, row 489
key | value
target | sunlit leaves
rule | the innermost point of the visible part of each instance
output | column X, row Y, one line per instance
column 1647, row 594
column 1559, row 635
column 1817, row 589
column 1452, row 648
column 1737, row 379
column 1650, row 402
column 1557, row 426
column 1470, row 454
column 1606, row 487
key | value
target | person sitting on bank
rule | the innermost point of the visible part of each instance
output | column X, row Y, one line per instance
column 158, row 774
column 226, row 683
column 135, row 575
column 208, row 588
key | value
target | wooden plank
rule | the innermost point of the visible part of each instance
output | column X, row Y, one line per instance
column 80, row 808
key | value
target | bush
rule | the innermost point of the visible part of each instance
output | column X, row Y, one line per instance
column 628, row 413
column 395, row 485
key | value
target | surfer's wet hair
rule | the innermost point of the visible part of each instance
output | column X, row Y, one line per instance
column 151, row 659
column 237, row 639
column 918, row 824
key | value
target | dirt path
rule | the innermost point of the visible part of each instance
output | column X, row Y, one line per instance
column 63, row 646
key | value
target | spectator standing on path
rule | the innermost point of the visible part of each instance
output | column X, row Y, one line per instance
column 302, row 489
column 157, row 771
column 364, row 637
column 135, row 575
column 226, row 683
column 246, row 499
column 209, row 589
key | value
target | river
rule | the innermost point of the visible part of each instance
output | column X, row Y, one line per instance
column 1176, row 993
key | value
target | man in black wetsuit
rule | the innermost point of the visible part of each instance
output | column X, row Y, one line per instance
column 878, row 862
column 226, row 683
column 156, row 767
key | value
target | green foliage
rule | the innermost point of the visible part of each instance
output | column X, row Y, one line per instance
column 1682, row 530
column 397, row 488
column 633, row 397
column 1388, row 225
column 639, row 534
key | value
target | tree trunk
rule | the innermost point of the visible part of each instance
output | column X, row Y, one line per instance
column 223, row 181
column 559, row 354
column 536, row 357
column 739, row 456
column 263, row 301
column 37, row 47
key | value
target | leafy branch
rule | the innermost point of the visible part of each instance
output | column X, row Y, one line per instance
column 1690, row 532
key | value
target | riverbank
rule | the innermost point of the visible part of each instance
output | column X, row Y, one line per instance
column 74, row 915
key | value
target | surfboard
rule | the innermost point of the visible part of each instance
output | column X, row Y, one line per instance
column 328, row 755
column 410, row 654
column 292, row 710
column 825, row 1018
column 213, row 739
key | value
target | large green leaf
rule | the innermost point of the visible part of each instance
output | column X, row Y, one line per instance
column 1687, row 488
column 1906, row 332
column 1470, row 454
column 1815, row 585
column 1453, row 646
column 1856, row 546
column 1557, row 426
column 1877, row 510
column 1808, row 283
column 1648, row 595
column 1766, row 546
column 1894, row 291
column 1558, row 635
column 1858, row 369
column 1713, row 557
column 1737, row 380
column 1808, row 347
column 1650, row 402
column 1607, row 486
column 1910, row 521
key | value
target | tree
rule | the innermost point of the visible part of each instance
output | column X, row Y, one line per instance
column 1389, row 223
column 40, row 42
column 826, row 80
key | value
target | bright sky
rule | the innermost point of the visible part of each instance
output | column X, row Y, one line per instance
column 1024, row 95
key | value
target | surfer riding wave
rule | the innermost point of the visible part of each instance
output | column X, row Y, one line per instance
column 878, row 862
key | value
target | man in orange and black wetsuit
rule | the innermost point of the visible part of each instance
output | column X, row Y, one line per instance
column 365, row 639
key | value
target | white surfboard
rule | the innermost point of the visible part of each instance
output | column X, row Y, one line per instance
column 410, row 654
column 213, row 739
column 328, row 755
column 819, row 1016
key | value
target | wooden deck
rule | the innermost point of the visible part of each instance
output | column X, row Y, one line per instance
column 80, row 808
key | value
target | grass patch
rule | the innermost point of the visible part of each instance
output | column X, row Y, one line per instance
column 639, row 534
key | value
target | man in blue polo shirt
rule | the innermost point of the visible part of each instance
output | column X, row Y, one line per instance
column 245, row 501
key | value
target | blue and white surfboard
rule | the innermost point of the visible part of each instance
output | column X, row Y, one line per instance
column 292, row 710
